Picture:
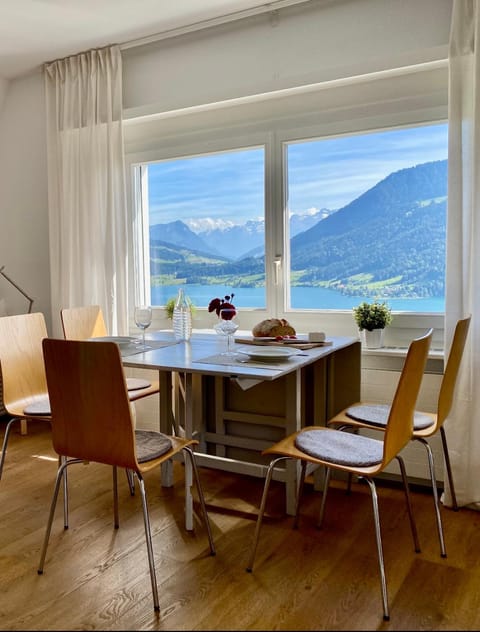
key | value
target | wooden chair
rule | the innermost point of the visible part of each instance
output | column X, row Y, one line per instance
column 25, row 393
column 87, row 321
column 92, row 422
column 374, row 416
column 81, row 323
column 352, row 453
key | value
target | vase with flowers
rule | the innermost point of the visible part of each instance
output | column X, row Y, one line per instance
column 226, row 312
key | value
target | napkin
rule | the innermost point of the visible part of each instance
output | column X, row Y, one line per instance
column 246, row 382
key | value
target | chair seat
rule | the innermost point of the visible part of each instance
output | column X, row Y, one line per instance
column 343, row 448
column 38, row 407
column 377, row 415
column 136, row 383
column 151, row 445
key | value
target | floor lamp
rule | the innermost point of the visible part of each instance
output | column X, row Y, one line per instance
column 30, row 300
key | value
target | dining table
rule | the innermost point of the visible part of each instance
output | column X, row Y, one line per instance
column 237, row 405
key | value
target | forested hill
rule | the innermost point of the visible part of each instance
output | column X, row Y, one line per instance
column 392, row 236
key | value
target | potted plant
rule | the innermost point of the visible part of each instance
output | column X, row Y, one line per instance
column 170, row 306
column 371, row 319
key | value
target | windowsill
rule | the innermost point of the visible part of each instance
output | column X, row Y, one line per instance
column 435, row 354
column 392, row 358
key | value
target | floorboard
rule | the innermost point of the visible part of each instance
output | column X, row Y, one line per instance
column 97, row 578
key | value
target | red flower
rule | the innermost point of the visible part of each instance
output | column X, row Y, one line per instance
column 220, row 305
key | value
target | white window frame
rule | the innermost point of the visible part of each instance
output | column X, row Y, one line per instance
column 196, row 133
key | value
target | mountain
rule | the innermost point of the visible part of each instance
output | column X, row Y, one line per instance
column 234, row 241
column 390, row 241
column 170, row 260
column 392, row 235
column 179, row 234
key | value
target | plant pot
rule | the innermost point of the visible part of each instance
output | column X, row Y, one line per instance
column 374, row 338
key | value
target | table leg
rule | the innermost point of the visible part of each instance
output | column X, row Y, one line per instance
column 189, row 403
column 168, row 425
column 293, row 423
column 166, row 421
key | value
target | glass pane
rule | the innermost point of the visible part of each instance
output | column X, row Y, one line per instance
column 367, row 219
column 207, row 227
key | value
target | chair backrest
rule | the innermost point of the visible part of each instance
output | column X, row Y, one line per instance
column 21, row 359
column 399, row 428
column 91, row 417
column 449, row 380
column 80, row 323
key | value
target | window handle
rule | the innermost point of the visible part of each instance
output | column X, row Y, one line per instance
column 278, row 268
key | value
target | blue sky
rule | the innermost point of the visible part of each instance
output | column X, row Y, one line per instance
column 322, row 174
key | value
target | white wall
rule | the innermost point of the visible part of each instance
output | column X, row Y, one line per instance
column 3, row 90
column 23, row 195
column 301, row 45
column 304, row 44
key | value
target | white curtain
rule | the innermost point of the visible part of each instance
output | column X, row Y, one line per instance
column 463, row 245
column 86, row 186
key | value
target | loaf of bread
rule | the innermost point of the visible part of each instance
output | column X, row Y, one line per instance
column 273, row 327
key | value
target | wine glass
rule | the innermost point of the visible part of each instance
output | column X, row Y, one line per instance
column 226, row 326
column 143, row 318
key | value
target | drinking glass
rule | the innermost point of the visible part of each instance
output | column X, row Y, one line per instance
column 226, row 326
column 143, row 318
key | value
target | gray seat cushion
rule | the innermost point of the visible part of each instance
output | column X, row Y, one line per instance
column 40, row 406
column 136, row 383
column 343, row 448
column 377, row 415
column 151, row 445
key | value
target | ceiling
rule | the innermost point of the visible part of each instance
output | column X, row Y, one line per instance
column 35, row 31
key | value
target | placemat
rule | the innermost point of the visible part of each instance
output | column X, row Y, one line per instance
column 138, row 347
column 228, row 361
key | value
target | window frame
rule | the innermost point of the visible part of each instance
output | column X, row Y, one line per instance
column 188, row 139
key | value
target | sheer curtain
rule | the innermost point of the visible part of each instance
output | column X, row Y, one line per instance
column 463, row 245
column 86, row 185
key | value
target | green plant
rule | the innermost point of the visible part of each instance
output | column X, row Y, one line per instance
column 372, row 316
column 170, row 306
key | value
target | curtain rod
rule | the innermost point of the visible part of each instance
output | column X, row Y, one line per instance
column 204, row 24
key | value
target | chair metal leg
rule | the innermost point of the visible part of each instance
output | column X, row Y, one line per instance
column 436, row 500
column 378, row 535
column 299, row 493
column 263, row 503
column 202, row 498
column 406, row 487
column 116, row 522
column 62, row 459
column 148, row 538
column 130, row 481
column 324, row 497
column 447, row 465
column 5, row 442
column 60, row 474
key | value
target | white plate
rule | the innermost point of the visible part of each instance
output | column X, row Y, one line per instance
column 122, row 341
column 269, row 354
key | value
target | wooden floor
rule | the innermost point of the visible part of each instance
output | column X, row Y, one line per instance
column 96, row 577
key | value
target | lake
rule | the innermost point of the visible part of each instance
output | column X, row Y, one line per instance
column 302, row 298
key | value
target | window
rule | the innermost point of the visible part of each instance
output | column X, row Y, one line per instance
column 366, row 219
column 307, row 161
column 206, row 219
